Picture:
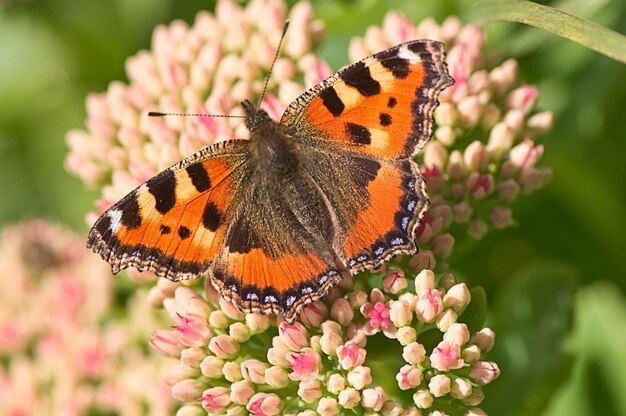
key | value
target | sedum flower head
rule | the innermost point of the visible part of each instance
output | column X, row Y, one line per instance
column 62, row 350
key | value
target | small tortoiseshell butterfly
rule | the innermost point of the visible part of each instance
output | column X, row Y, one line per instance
column 278, row 220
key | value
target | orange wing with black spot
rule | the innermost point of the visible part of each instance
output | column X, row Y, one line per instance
column 381, row 106
column 175, row 223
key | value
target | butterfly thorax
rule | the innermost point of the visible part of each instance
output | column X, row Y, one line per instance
column 271, row 148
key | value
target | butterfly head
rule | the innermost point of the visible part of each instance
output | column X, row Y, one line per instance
column 255, row 117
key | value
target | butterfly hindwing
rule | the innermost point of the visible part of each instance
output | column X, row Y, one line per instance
column 173, row 224
column 381, row 106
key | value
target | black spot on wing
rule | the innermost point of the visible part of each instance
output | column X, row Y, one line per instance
column 359, row 77
column 131, row 218
column 332, row 102
column 199, row 177
column 391, row 103
column 183, row 232
column 242, row 237
column 385, row 119
column 363, row 170
column 163, row 188
column 358, row 134
column 165, row 229
column 389, row 59
column 103, row 225
column 211, row 217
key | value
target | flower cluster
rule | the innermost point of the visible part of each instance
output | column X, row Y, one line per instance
column 57, row 354
column 208, row 68
column 235, row 364
column 484, row 153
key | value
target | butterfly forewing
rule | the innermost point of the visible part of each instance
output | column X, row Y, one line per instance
column 173, row 224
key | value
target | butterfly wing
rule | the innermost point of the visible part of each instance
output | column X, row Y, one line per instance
column 380, row 106
column 175, row 223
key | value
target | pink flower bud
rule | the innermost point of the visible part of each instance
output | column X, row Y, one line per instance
column 540, row 123
column 446, row 135
column 429, row 305
column 475, row 398
column 523, row 98
column 414, row 353
column 239, row 332
column 393, row 408
column 305, row 365
column 335, row 383
column 424, row 260
column 349, row 398
column 394, row 281
column 480, row 186
column 476, row 412
column 457, row 297
column 211, row 367
column 278, row 356
column 514, row 119
column 503, row 76
column 446, row 114
column 192, row 356
column 331, row 326
column 187, row 390
column 350, row 355
column 341, row 311
column 194, row 330
column 328, row 406
column 409, row 377
column 484, row 339
column 223, row 346
column 446, row 356
column 508, row 190
column 231, row 310
column 310, row 391
column 263, row 404
column 294, row 336
column 241, row 392
column 329, row 343
column 423, row 399
column 501, row 139
column 424, row 282
column 491, row 115
column 470, row 110
column 190, row 303
column 463, row 211
column 232, row 371
column 477, row 228
column 406, row 335
column 257, row 322
column 215, row 399
column 254, row 371
column 314, row 314
column 357, row 298
column 443, row 245
column 166, row 343
column 373, row 398
column 359, row 377
column 475, row 156
column 400, row 313
column 218, row 319
column 460, row 388
column 484, row 372
column 178, row 373
column 501, row 217
column 456, row 166
column 276, row 377
column 532, row 179
column 439, row 385
column 445, row 319
column 470, row 354
column 435, row 155
column 457, row 334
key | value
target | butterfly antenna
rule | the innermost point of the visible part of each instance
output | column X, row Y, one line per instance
column 267, row 80
column 160, row 114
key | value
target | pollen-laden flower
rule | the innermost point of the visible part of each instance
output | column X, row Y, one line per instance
column 209, row 68
column 485, row 152
column 332, row 366
column 62, row 349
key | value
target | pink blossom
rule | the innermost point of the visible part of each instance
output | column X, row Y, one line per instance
column 295, row 335
column 379, row 316
column 215, row 399
column 193, row 329
column 429, row 305
column 350, row 355
column 305, row 365
column 446, row 356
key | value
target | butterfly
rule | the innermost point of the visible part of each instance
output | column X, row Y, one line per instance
column 277, row 220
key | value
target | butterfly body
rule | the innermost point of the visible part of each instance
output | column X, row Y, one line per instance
column 278, row 220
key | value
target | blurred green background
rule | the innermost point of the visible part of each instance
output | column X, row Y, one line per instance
column 555, row 283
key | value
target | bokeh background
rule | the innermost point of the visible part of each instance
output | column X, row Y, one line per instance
column 555, row 282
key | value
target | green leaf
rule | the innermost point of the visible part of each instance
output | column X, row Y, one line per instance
column 589, row 34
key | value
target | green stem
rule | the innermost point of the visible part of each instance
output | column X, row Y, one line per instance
column 589, row 34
